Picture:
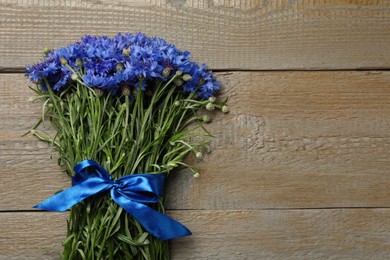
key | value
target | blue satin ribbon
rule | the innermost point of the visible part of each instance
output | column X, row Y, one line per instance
column 130, row 192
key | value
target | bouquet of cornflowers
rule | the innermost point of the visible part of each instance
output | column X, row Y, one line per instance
column 126, row 113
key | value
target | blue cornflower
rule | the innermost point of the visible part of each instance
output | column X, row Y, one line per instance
column 209, row 88
column 104, row 82
column 42, row 70
column 100, row 66
column 211, row 85
column 59, row 80
column 195, row 72
column 122, row 41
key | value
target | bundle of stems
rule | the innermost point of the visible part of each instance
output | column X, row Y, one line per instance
column 138, row 132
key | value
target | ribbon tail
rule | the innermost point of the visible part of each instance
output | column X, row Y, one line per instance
column 167, row 227
column 66, row 199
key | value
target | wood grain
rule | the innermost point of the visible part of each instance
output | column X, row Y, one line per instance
column 228, row 234
column 36, row 235
column 305, row 140
column 291, row 140
column 225, row 34
column 28, row 167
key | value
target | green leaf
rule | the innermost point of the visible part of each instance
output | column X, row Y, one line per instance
column 133, row 242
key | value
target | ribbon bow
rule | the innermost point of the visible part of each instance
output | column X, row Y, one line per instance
column 131, row 192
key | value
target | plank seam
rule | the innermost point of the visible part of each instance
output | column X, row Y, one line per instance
column 226, row 210
column 23, row 70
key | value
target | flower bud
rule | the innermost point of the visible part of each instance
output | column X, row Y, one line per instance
column 212, row 99
column 46, row 51
column 196, row 175
column 88, row 208
column 177, row 103
column 50, row 105
column 187, row 77
column 119, row 67
column 199, row 155
column 74, row 76
column 210, row 106
column 79, row 62
column 63, row 61
column 201, row 81
column 126, row 52
column 225, row 109
column 206, row 119
column 178, row 82
column 148, row 93
column 179, row 73
column 126, row 90
column 99, row 92
column 172, row 165
column 166, row 72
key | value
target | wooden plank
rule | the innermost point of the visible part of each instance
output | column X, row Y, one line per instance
column 35, row 235
column 224, row 34
column 28, row 167
column 305, row 140
column 291, row 140
column 285, row 234
column 244, row 234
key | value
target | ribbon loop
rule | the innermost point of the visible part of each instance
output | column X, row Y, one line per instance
column 131, row 192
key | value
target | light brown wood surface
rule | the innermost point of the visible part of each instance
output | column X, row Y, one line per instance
column 231, row 234
column 300, row 167
column 291, row 140
column 225, row 34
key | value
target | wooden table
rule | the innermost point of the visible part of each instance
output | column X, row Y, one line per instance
column 300, row 167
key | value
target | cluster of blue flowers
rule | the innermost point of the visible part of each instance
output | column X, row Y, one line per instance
column 126, row 59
